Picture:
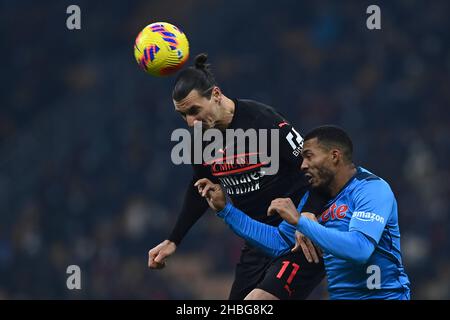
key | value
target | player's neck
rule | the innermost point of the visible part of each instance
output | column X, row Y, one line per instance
column 341, row 178
column 227, row 113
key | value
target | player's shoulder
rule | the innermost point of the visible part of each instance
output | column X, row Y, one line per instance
column 366, row 182
column 261, row 112
column 256, row 106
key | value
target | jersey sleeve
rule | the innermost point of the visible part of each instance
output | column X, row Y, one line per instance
column 194, row 206
column 374, row 203
column 274, row 241
column 348, row 245
column 290, row 143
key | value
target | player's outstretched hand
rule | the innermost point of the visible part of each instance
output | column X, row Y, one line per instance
column 311, row 252
column 213, row 193
column 157, row 256
column 287, row 210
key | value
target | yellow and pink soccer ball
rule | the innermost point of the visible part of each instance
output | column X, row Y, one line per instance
column 161, row 49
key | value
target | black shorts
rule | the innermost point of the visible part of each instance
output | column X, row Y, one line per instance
column 287, row 277
column 290, row 276
column 249, row 272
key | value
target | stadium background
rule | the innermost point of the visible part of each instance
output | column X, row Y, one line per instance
column 85, row 170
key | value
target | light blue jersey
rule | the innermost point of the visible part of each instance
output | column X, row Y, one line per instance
column 359, row 234
column 366, row 205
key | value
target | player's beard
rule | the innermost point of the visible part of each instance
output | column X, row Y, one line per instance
column 219, row 124
column 209, row 122
column 323, row 176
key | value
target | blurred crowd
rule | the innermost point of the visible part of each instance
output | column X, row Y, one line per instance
column 85, row 172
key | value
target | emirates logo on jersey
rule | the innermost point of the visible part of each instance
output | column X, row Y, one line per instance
column 238, row 174
column 242, row 183
column 262, row 146
column 235, row 164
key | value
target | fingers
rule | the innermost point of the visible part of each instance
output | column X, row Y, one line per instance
column 204, row 186
column 285, row 208
column 209, row 187
column 160, row 258
column 312, row 250
column 305, row 251
column 156, row 258
column 151, row 256
column 202, row 182
column 297, row 242
column 309, row 215
column 307, row 247
column 274, row 206
column 271, row 210
column 152, row 262
column 158, row 255
column 157, row 265
column 278, row 204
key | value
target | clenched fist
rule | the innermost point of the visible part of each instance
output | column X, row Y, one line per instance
column 285, row 208
column 213, row 194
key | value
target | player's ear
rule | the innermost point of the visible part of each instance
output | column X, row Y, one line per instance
column 335, row 155
column 217, row 94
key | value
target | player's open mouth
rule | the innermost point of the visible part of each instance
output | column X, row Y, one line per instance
column 308, row 177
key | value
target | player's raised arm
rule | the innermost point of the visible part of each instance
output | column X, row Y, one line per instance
column 274, row 241
column 373, row 203
column 194, row 206
column 348, row 245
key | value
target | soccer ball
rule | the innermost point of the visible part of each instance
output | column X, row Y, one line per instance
column 161, row 49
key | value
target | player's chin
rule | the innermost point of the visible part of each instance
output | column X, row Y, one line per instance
column 314, row 183
column 206, row 126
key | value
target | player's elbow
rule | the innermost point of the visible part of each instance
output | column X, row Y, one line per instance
column 363, row 249
column 274, row 250
column 362, row 255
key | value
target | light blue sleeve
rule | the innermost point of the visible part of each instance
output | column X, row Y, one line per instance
column 348, row 245
column 274, row 241
column 374, row 204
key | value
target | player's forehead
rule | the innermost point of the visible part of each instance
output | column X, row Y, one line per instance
column 193, row 98
column 311, row 145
